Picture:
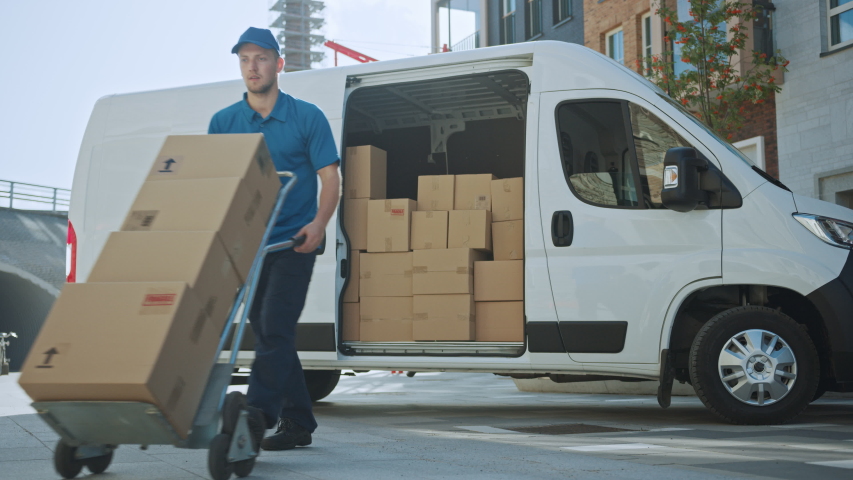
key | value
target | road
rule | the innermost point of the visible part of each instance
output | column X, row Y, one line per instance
column 476, row 426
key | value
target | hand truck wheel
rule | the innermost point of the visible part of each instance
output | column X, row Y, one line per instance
column 217, row 457
column 234, row 403
column 64, row 460
column 99, row 464
column 243, row 468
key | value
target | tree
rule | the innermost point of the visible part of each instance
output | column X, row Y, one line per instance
column 711, row 86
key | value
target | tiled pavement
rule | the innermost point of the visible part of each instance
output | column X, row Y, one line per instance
column 448, row 425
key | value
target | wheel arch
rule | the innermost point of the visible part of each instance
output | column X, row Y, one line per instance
column 697, row 307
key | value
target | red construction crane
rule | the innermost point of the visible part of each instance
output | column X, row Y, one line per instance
column 337, row 47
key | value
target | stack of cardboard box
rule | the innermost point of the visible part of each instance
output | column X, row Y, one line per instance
column 364, row 180
column 499, row 284
column 147, row 325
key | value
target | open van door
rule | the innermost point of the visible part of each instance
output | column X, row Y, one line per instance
column 616, row 256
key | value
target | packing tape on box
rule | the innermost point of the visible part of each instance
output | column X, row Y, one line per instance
column 198, row 326
column 177, row 391
column 253, row 208
column 387, row 206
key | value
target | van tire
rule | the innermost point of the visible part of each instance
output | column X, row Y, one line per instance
column 320, row 383
column 705, row 369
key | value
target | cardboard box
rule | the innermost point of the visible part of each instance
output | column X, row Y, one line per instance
column 470, row 229
column 436, row 192
column 429, row 230
column 499, row 281
column 386, row 319
column 473, row 192
column 232, row 207
column 241, row 155
column 436, row 272
column 508, row 240
column 350, row 318
column 134, row 342
column 355, row 222
column 365, row 172
column 197, row 258
column 443, row 317
column 389, row 225
column 385, row 275
column 507, row 199
column 500, row 321
column 351, row 293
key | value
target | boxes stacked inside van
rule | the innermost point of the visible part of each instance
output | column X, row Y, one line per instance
column 425, row 270
column 146, row 326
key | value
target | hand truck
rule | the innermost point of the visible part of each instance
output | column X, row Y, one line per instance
column 91, row 430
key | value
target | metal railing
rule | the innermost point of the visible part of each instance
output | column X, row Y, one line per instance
column 26, row 196
column 468, row 43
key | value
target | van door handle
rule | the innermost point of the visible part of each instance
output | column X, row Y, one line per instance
column 562, row 228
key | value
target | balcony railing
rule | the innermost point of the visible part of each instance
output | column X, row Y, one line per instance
column 26, row 196
column 468, row 43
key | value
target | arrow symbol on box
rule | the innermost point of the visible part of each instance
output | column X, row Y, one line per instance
column 168, row 164
column 50, row 353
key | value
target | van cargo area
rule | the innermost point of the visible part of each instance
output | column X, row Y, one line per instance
column 466, row 125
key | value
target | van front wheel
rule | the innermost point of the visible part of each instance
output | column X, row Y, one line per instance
column 754, row 365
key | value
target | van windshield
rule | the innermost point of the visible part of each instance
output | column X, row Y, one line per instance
column 710, row 132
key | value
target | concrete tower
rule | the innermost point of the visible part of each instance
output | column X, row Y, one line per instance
column 296, row 19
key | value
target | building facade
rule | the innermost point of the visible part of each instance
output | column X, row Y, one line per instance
column 814, row 111
column 465, row 24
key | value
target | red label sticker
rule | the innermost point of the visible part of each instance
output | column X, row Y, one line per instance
column 398, row 211
column 159, row 299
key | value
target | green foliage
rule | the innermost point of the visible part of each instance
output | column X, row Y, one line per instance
column 710, row 41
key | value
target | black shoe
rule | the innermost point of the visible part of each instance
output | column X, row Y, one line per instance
column 287, row 436
column 257, row 426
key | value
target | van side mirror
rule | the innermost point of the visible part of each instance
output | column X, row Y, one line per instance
column 682, row 175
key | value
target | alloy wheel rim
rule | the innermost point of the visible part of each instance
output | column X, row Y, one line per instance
column 757, row 367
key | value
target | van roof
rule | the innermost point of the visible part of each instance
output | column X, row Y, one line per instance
column 557, row 66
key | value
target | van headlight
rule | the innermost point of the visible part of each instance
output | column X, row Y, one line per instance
column 832, row 231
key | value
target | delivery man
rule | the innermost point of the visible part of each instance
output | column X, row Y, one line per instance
column 300, row 140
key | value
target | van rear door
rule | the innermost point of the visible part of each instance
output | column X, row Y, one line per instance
column 616, row 256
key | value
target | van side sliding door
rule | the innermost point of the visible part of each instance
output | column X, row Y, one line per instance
column 616, row 256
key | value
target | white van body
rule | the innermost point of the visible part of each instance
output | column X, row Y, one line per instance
column 650, row 276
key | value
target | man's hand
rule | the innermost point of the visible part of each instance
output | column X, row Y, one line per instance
column 313, row 236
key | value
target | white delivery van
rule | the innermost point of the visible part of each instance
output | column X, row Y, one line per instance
column 653, row 250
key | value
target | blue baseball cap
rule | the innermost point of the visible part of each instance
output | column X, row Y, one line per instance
column 260, row 37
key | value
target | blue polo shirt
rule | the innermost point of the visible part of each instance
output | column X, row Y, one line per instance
column 299, row 139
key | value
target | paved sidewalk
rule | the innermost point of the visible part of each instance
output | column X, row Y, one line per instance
column 378, row 425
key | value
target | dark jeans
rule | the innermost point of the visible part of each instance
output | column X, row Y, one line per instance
column 276, row 383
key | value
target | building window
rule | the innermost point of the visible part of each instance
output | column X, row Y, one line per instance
column 562, row 10
column 647, row 40
column 533, row 15
column 753, row 148
column 616, row 46
column 840, row 23
column 508, row 21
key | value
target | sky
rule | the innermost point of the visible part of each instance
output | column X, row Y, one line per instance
column 61, row 56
